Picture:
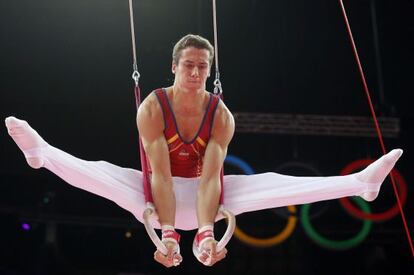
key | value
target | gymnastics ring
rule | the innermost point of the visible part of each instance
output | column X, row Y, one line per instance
column 333, row 244
column 231, row 225
column 261, row 242
column 277, row 239
column 377, row 217
column 149, row 214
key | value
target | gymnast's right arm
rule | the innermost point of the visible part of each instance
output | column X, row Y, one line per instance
column 150, row 124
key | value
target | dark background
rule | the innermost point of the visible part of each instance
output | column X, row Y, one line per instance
column 65, row 67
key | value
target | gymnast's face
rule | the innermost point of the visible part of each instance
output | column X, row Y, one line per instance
column 193, row 69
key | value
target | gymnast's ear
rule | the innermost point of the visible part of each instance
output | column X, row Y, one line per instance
column 173, row 67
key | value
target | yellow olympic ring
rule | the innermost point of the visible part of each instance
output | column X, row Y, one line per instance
column 277, row 239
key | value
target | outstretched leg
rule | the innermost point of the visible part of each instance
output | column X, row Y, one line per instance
column 120, row 185
column 244, row 193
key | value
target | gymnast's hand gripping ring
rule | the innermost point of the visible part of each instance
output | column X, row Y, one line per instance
column 231, row 225
column 149, row 214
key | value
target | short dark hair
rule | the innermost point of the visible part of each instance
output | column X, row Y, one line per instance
column 192, row 40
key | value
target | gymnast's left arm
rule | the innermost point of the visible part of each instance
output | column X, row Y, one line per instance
column 209, row 191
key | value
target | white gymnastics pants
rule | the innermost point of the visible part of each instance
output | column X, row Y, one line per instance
column 242, row 193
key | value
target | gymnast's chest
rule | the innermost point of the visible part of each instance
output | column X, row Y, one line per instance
column 188, row 126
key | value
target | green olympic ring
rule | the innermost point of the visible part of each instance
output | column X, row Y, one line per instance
column 336, row 244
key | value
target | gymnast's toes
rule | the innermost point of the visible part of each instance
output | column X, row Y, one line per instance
column 27, row 140
column 11, row 122
column 15, row 126
column 394, row 155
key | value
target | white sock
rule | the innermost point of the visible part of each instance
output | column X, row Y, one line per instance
column 27, row 139
column 376, row 173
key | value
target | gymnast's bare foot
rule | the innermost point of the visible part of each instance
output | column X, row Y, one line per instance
column 27, row 139
column 376, row 173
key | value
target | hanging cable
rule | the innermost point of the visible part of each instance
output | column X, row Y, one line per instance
column 374, row 116
column 218, row 90
column 135, row 74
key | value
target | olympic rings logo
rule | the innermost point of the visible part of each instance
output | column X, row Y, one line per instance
column 364, row 213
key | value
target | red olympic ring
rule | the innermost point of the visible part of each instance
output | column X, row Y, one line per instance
column 383, row 216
